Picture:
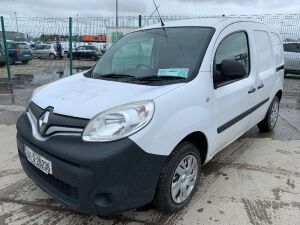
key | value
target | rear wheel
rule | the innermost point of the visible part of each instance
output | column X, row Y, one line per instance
column 178, row 179
column 269, row 122
column 25, row 61
column 52, row 56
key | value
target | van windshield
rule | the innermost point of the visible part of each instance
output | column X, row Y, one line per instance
column 165, row 53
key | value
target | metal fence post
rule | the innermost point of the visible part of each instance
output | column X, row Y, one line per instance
column 5, row 50
column 140, row 20
column 70, row 45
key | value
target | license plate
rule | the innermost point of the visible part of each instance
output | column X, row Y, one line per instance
column 38, row 161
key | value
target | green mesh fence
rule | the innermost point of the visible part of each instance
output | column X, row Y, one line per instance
column 99, row 33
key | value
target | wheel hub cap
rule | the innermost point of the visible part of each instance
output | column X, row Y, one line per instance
column 274, row 114
column 184, row 179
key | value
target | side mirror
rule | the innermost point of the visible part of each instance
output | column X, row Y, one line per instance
column 232, row 69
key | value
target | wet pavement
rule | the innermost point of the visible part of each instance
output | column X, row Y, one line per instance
column 42, row 71
column 255, row 180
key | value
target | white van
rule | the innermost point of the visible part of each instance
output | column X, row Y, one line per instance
column 138, row 126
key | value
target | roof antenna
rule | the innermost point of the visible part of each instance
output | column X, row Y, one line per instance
column 156, row 9
column 149, row 17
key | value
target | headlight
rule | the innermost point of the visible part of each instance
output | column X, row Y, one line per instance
column 119, row 122
column 33, row 93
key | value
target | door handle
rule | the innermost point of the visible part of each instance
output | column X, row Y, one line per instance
column 252, row 90
column 260, row 86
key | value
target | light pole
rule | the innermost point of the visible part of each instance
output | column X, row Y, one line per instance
column 16, row 21
column 77, row 30
column 117, row 13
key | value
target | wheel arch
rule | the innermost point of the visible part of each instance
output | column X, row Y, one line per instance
column 199, row 139
column 279, row 95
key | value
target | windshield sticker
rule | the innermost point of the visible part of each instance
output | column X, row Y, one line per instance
column 176, row 72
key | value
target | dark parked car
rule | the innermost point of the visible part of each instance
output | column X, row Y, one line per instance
column 19, row 52
column 86, row 52
column 2, row 58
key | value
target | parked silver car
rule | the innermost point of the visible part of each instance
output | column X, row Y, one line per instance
column 292, row 57
column 45, row 51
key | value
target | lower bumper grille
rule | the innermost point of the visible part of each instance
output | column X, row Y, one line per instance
column 66, row 189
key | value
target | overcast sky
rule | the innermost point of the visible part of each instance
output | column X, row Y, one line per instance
column 66, row 8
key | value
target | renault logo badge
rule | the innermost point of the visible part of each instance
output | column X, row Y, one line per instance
column 43, row 121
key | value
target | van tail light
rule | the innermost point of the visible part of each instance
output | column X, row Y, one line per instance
column 18, row 51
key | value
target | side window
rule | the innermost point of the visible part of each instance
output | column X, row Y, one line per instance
column 291, row 47
column 233, row 47
column 10, row 46
column 263, row 50
column 287, row 47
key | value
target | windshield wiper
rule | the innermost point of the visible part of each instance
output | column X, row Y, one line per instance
column 114, row 76
column 156, row 77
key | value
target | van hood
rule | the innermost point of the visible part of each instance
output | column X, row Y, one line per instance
column 82, row 97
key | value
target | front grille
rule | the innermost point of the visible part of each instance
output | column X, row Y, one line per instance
column 57, row 120
column 66, row 189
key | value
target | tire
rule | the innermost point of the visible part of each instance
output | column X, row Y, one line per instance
column 163, row 199
column 269, row 122
column 52, row 56
column 24, row 61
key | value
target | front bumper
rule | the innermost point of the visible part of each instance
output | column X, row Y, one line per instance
column 97, row 178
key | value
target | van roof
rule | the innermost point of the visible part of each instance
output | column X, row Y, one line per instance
column 216, row 22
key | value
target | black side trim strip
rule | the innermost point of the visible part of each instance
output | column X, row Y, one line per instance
column 241, row 116
column 279, row 68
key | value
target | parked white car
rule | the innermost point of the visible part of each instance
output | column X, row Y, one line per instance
column 138, row 127
column 292, row 57
column 46, row 51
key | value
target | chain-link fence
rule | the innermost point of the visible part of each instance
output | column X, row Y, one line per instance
column 41, row 50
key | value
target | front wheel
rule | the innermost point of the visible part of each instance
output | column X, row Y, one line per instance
column 178, row 179
column 269, row 122
column 25, row 61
